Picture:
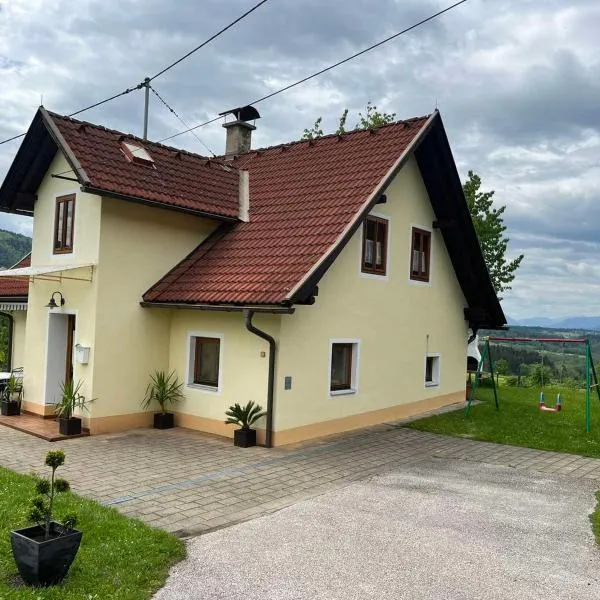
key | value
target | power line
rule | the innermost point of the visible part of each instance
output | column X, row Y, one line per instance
column 210, row 39
column 143, row 83
column 123, row 93
column 172, row 110
column 329, row 68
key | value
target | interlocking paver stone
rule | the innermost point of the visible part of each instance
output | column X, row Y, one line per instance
column 188, row 482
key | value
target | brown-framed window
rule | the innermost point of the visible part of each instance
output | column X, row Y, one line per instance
column 420, row 254
column 341, row 366
column 374, row 246
column 64, row 224
column 206, row 361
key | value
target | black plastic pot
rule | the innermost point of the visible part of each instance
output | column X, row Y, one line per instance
column 10, row 408
column 244, row 438
column 70, row 426
column 164, row 420
column 44, row 562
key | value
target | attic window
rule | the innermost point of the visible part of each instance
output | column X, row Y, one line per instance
column 136, row 153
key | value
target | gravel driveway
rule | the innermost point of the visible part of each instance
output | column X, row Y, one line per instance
column 444, row 529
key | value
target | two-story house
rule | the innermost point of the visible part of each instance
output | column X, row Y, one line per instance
column 332, row 280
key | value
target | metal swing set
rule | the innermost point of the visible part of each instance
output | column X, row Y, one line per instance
column 590, row 373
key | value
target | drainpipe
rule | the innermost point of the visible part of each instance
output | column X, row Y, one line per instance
column 270, row 390
column 11, row 322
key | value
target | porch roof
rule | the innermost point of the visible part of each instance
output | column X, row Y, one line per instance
column 49, row 272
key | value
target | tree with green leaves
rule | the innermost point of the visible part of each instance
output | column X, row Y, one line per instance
column 371, row 119
column 501, row 367
column 489, row 226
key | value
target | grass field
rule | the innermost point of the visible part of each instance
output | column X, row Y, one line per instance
column 119, row 558
column 520, row 422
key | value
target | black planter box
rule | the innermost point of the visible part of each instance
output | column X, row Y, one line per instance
column 10, row 408
column 71, row 426
column 44, row 562
column 164, row 420
column 244, row 438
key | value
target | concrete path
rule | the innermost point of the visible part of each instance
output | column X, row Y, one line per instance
column 440, row 530
column 190, row 483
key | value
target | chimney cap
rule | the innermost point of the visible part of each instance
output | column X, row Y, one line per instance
column 242, row 113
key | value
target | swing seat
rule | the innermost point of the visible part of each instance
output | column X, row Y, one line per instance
column 556, row 408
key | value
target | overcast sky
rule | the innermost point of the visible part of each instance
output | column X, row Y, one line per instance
column 517, row 83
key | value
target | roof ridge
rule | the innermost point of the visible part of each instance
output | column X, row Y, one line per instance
column 356, row 131
column 129, row 135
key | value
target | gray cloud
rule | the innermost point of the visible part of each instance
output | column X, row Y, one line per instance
column 516, row 81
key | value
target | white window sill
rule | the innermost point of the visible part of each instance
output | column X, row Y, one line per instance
column 204, row 388
column 432, row 384
column 342, row 392
column 379, row 276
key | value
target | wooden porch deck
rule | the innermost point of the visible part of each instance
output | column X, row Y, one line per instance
column 47, row 429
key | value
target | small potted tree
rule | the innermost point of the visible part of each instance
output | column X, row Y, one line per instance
column 245, row 417
column 164, row 389
column 71, row 398
column 11, row 401
column 44, row 553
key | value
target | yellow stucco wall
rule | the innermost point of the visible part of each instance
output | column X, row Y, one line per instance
column 80, row 296
column 395, row 320
column 244, row 365
column 138, row 245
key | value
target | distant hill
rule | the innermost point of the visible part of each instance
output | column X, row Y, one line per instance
column 577, row 322
column 13, row 247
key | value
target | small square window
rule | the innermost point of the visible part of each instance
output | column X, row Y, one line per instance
column 374, row 248
column 432, row 371
column 420, row 254
column 205, row 361
column 342, row 374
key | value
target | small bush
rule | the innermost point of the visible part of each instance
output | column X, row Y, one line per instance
column 512, row 381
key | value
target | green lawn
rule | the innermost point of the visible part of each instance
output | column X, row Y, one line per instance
column 595, row 519
column 119, row 558
column 520, row 422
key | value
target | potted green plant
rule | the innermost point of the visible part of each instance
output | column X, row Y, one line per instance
column 44, row 553
column 71, row 399
column 11, row 402
column 164, row 389
column 245, row 417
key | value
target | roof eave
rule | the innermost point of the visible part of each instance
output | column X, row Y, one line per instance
column 155, row 204
column 257, row 308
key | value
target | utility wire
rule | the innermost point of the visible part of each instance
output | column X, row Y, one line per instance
column 329, row 68
column 210, row 39
column 123, row 93
column 172, row 110
column 142, row 84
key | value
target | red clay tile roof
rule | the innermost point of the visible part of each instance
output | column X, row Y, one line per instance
column 303, row 196
column 16, row 287
column 178, row 179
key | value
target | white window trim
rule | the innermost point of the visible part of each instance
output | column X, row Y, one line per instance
column 431, row 250
column 189, row 378
column 388, row 254
column 355, row 367
column 434, row 383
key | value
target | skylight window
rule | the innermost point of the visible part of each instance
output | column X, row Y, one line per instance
column 136, row 153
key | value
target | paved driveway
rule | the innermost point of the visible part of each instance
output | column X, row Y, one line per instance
column 444, row 529
column 190, row 483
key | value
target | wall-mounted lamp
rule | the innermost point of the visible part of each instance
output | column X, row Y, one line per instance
column 52, row 303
